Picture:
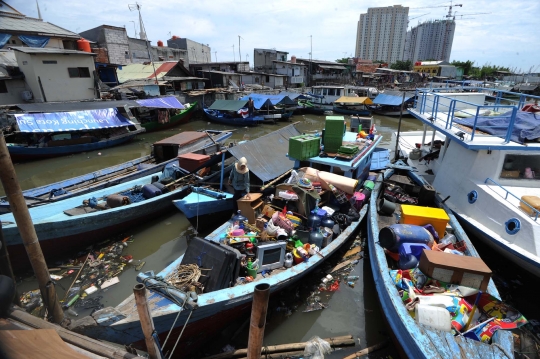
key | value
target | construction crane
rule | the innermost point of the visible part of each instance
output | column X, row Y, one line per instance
column 476, row 13
column 416, row 17
column 448, row 6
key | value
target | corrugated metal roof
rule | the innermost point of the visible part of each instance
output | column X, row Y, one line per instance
column 228, row 105
column 354, row 99
column 266, row 155
column 35, row 26
column 391, row 100
column 142, row 71
column 50, row 50
column 333, row 67
column 74, row 106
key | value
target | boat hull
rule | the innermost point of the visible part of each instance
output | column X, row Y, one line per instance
column 182, row 117
column 345, row 111
column 198, row 204
column 21, row 153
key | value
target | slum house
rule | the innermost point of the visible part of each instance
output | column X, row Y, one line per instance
column 364, row 72
column 263, row 59
column 227, row 66
column 263, row 79
column 196, row 52
column 295, row 72
column 12, row 84
column 321, row 72
column 57, row 74
column 397, row 77
column 222, row 79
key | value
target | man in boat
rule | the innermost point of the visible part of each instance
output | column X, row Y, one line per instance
column 239, row 179
column 251, row 106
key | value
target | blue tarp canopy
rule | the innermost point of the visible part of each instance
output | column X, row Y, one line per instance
column 71, row 121
column 161, row 102
column 526, row 126
column 390, row 100
column 4, row 39
column 294, row 96
column 34, row 41
column 228, row 105
column 261, row 100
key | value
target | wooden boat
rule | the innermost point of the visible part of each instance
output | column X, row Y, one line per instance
column 389, row 103
column 181, row 117
column 353, row 105
column 203, row 201
column 214, row 310
column 65, row 133
column 230, row 112
column 310, row 107
column 165, row 153
column 417, row 340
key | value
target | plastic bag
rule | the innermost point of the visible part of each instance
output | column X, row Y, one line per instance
column 316, row 348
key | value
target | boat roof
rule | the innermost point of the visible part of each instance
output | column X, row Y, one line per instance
column 182, row 139
column 487, row 127
column 274, row 99
column 354, row 99
column 392, row 100
column 294, row 95
column 162, row 102
column 228, row 105
column 263, row 163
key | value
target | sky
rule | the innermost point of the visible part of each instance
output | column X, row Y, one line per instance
column 506, row 36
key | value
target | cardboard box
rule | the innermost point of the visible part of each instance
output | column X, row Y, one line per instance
column 260, row 222
column 455, row 269
column 268, row 211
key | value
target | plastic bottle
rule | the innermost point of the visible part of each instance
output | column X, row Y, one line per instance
column 313, row 221
column 316, row 238
column 238, row 219
column 249, row 264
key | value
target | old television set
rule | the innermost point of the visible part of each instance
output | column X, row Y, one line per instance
column 271, row 255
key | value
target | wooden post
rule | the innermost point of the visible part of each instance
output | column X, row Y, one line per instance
column 258, row 320
column 396, row 151
column 28, row 234
column 5, row 264
column 146, row 321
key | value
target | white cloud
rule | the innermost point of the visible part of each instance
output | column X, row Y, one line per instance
column 506, row 36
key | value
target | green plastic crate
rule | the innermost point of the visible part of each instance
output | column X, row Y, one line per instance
column 304, row 147
column 334, row 126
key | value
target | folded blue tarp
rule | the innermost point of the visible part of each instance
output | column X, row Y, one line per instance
column 259, row 101
column 294, row 95
column 526, row 126
column 390, row 100
column 71, row 121
column 161, row 102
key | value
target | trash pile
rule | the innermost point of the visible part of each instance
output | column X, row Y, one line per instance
column 89, row 273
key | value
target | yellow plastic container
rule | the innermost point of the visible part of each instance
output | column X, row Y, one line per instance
column 421, row 216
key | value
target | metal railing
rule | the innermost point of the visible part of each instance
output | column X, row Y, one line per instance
column 534, row 210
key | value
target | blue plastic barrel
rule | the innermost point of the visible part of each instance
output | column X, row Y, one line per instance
column 392, row 236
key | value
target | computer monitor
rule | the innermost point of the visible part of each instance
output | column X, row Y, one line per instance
column 271, row 255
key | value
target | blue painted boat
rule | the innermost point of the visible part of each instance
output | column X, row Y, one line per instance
column 417, row 340
column 215, row 309
column 314, row 108
column 67, row 225
column 206, row 142
column 65, row 133
column 202, row 201
column 230, row 112
column 352, row 105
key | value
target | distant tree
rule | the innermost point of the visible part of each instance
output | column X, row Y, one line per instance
column 402, row 65
column 487, row 71
column 344, row 60
column 465, row 65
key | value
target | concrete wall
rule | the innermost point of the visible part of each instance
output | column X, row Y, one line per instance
column 55, row 80
column 197, row 52
column 14, row 89
column 262, row 59
column 117, row 46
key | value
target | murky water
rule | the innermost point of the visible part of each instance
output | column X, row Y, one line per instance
column 352, row 311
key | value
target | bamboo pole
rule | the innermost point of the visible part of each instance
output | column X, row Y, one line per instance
column 146, row 321
column 275, row 180
column 258, row 320
column 5, row 264
column 368, row 350
column 345, row 340
column 28, row 234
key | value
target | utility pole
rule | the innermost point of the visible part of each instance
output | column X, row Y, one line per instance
column 215, row 54
column 234, row 55
column 142, row 34
column 239, row 53
column 310, row 58
column 134, row 28
column 28, row 234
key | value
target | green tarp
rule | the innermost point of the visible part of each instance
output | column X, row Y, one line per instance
column 228, row 105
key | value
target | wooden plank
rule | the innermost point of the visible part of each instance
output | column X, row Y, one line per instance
column 37, row 343
column 346, row 263
column 437, row 339
column 352, row 252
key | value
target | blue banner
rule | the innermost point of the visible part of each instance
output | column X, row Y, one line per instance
column 161, row 102
column 4, row 39
column 71, row 121
column 35, row 41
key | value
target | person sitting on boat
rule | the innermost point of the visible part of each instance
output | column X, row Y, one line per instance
column 251, row 106
column 239, row 179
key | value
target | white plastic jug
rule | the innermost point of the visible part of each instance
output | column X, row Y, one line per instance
column 288, row 260
column 434, row 317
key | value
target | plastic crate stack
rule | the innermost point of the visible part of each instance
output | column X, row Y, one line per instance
column 334, row 130
column 304, row 146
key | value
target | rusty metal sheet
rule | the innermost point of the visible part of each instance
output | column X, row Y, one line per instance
column 267, row 155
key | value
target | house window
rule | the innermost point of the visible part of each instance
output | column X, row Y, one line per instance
column 267, row 78
column 49, row 62
column 3, row 86
column 78, row 72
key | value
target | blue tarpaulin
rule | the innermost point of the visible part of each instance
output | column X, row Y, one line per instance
column 294, row 95
column 274, row 99
column 259, row 101
column 71, row 121
column 161, row 102
column 4, row 39
column 35, row 41
column 390, row 100
column 526, row 126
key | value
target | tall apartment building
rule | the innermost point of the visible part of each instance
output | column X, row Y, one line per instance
column 430, row 40
column 381, row 33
